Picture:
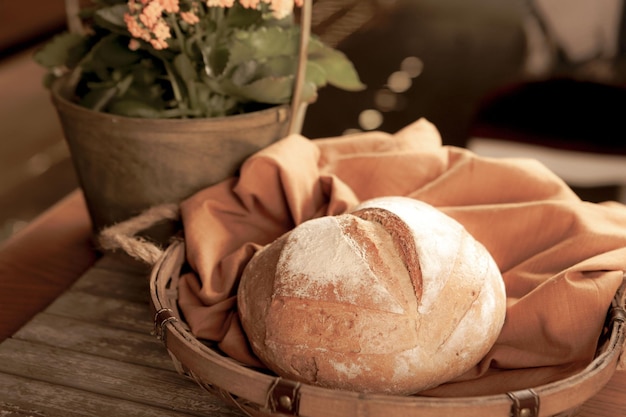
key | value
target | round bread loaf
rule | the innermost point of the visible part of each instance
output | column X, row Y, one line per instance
column 394, row 297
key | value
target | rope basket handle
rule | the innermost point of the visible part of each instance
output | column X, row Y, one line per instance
column 124, row 235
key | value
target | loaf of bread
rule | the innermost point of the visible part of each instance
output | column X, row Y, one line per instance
column 394, row 297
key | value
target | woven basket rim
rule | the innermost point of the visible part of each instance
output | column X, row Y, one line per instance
column 254, row 390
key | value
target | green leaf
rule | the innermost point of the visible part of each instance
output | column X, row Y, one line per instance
column 184, row 67
column 146, row 73
column 245, row 73
column 340, row 71
column 214, row 105
column 63, row 50
column 315, row 74
column 100, row 94
column 277, row 66
column 266, row 90
column 213, row 84
column 112, row 18
column 124, row 85
column 112, row 51
column 262, row 44
column 249, row 71
column 276, row 48
column 133, row 108
column 243, row 17
column 217, row 60
column 272, row 90
column 186, row 72
column 96, row 97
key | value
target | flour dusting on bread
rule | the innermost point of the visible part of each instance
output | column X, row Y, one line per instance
column 394, row 297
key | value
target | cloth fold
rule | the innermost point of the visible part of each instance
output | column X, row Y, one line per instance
column 562, row 259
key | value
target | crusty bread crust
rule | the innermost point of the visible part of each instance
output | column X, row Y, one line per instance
column 394, row 297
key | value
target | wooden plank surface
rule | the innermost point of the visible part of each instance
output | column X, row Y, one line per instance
column 28, row 397
column 91, row 353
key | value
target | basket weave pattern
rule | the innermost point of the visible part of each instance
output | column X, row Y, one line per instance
column 259, row 394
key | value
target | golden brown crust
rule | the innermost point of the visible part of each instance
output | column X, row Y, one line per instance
column 343, row 302
column 256, row 290
column 402, row 239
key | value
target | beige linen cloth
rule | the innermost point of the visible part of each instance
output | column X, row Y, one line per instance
column 562, row 259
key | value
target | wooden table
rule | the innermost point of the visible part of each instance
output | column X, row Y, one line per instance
column 86, row 347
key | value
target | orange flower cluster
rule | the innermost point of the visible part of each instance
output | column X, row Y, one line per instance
column 145, row 21
column 146, row 18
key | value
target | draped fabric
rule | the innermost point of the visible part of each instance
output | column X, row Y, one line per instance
column 562, row 259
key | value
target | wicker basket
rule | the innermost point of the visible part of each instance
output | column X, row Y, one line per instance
column 261, row 394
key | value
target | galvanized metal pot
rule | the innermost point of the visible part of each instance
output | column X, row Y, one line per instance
column 126, row 165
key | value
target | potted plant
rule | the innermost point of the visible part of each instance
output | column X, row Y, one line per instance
column 160, row 98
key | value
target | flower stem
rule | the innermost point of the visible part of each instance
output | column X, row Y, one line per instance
column 174, row 83
column 180, row 38
column 188, row 101
column 219, row 19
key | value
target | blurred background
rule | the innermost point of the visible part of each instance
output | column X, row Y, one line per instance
column 538, row 72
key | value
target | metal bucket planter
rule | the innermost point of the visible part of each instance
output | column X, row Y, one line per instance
column 125, row 165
